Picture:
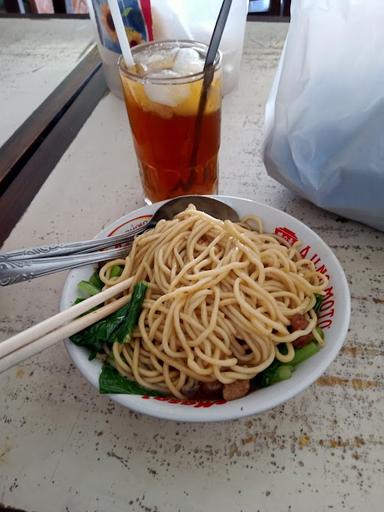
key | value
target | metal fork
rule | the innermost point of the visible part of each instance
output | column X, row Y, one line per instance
column 26, row 264
column 21, row 265
column 46, row 251
column 16, row 271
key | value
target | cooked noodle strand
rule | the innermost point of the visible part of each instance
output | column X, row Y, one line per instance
column 219, row 305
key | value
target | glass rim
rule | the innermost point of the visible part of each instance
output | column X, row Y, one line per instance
column 168, row 80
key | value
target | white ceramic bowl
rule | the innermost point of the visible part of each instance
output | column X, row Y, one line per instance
column 334, row 318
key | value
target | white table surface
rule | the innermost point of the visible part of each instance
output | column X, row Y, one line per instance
column 35, row 57
column 63, row 447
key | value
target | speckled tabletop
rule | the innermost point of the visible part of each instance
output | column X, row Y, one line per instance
column 35, row 56
column 65, row 448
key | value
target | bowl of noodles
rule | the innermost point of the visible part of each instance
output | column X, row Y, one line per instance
column 224, row 319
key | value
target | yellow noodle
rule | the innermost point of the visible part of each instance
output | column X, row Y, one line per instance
column 219, row 305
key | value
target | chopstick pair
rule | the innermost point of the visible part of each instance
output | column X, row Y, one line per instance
column 45, row 334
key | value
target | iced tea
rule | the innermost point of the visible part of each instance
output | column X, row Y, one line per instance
column 162, row 93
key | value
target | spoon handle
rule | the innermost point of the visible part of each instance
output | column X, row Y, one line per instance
column 46, row 251
column 16, row 271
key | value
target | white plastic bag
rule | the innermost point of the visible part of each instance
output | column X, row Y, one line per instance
column 325, row 114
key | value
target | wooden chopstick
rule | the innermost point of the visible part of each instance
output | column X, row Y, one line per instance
column 64, row 324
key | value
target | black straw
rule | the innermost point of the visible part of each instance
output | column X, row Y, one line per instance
column 217, row 33
column 209, row 71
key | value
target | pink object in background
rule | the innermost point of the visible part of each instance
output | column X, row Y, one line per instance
column 42, row 6
column 77, row 7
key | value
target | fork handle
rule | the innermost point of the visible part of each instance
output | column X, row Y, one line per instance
column 16, row 271
column 46, row 251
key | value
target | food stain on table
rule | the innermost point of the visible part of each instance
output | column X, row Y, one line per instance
column 20, row 373
column 234, row 450
column 5, row 448
column 362, row 351
column 357, row 384
column 339, row 442
column 304, row 440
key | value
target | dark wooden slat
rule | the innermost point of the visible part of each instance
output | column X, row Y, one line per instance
column 5, row 508
column 12, row 6
column 267, row 18
column 59, row 6
column 19, row 194
column 42, row 16
column 23, row 143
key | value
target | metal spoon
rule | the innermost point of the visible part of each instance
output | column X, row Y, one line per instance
column 22, row 265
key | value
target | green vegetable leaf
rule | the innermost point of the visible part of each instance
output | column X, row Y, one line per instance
column 277, row 371
column 96, row 281
column 116, row 271
column 304, row 353
column 118, row 326
column 87, row 288
column 92, row 355
column 318, row 303
column 91, row 287
column 111, row 382
column 124, row 332
column 94, row 336
column 283, row 372
column 283, row 349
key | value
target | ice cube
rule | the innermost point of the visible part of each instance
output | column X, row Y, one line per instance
column 170, row 95
column 157, row 61
column 162, row 73
column 161, row 60
column 188, row 62
column 140, row 69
